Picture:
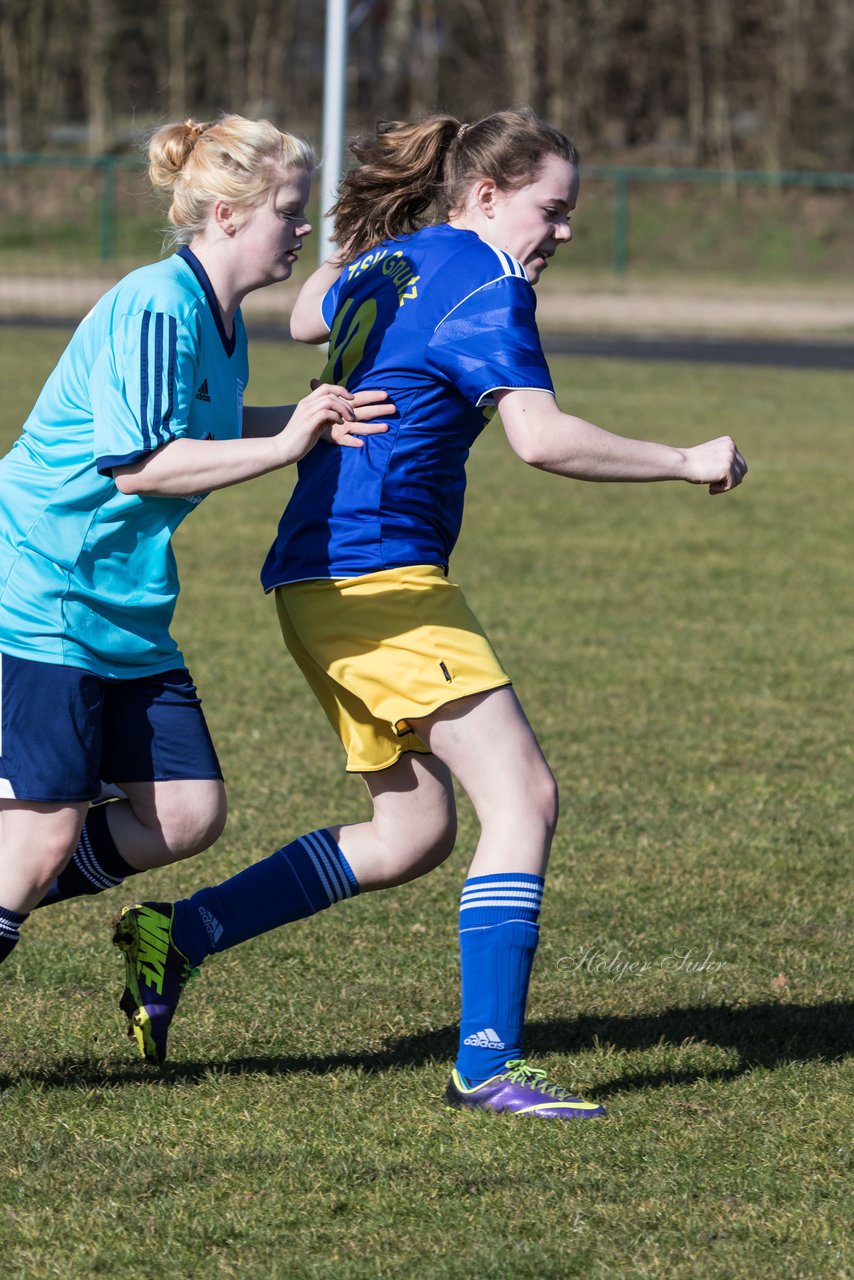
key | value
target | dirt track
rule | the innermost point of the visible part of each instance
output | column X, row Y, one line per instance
column 782, row 313
column 565, row 305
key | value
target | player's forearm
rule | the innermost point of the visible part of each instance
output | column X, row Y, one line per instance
column 186, row 467
column 583, row 451
column 553, row 441
column 567, row 446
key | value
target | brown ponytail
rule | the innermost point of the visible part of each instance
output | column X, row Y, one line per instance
column 399, row 177
column 406, row 169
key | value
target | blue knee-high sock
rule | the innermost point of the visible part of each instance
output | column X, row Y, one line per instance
column 95, row 865
column 10, row 923
column 498, row 939
column 297, row 881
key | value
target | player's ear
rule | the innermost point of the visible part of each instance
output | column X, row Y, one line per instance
column 484, row 196
column 225, row 218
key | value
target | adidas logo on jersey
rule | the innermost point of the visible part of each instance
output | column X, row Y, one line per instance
column 203, row 393
column 487, row 1039
column 213, row 926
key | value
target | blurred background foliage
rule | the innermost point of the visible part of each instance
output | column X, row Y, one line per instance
column 717, row 83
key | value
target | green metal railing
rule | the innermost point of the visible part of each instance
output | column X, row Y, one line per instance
column 622, row 177
column 104, row 166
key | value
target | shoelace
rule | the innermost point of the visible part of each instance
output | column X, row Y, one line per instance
column 521, row 1072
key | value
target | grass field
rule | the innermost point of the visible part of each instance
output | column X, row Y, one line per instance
column 687, row 663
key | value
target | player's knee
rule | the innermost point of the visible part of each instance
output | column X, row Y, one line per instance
column 531, row 806
column 50, row 858
column 41, row 845
column 438, row 830
column 547, row 799
column 203, row 830
column 439, row 839
column 191, row 820
column 200, row 826
column 426, row 842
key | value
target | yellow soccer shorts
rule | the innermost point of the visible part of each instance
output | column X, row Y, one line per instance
column 382, row 649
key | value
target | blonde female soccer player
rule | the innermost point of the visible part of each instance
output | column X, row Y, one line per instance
column 141, row 417
column 442, row 316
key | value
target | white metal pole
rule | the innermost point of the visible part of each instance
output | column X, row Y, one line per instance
column 334, row 114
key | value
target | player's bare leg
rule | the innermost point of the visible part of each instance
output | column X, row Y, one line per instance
column 165, row 822
column 36, row 841
column 413, row 826
column 489, row 746
column 152, row 825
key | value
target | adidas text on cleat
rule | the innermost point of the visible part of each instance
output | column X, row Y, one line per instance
column 522, row 1089
column 156, row 973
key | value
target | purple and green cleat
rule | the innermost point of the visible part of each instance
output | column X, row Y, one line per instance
column 156, row 973
column 522, row 1089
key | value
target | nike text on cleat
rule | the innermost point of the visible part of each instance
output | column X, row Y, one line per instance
column 523, row 1090
column 156, row 973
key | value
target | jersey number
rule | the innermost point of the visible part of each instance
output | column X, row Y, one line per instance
column 347, row 340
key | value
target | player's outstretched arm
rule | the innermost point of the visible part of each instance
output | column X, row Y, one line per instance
column 545, row 437
column 307, row 323
column 186, row 466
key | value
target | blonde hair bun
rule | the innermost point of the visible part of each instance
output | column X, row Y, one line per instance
column 230, row 159
column 169, row 149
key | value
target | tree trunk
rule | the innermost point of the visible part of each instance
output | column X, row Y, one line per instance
column 720, row 103
column 13, row 110
column 278, row 69
column 236, row 58
column 556, row 106
column 395, row 60
column 259, row 39
column 519, row 38
column 694, row 81
column 98, row 68
column 424, row 82
column 179, row 101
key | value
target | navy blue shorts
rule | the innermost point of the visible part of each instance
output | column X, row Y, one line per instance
column 64, row 731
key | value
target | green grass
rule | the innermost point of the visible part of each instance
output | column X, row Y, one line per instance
column 687, row 664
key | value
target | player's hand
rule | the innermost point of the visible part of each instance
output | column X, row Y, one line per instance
column 716, row 463
column 363, row 407
column 333, row 413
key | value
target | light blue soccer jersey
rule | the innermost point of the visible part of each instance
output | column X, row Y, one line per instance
column 87, row 574
column 440, row 320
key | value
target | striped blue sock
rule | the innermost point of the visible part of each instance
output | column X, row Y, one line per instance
column 498, row 939
column 95, row 865
column 10, row 923
column 297, row 881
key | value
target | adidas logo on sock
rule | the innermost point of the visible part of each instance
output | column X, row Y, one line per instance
column 213, row 926
column 203, row 393
column 487, row 1039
